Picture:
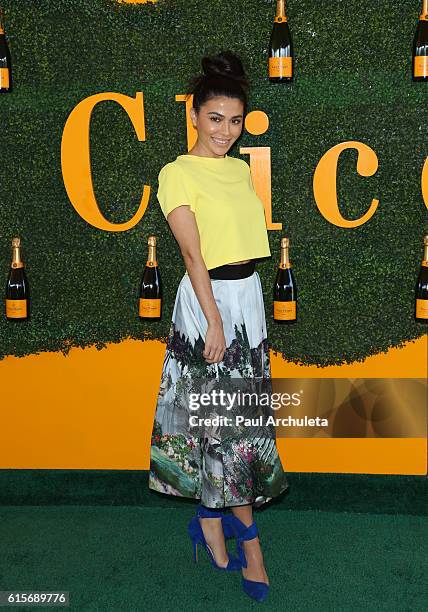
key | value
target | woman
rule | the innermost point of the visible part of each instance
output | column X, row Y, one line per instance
column 218, row 331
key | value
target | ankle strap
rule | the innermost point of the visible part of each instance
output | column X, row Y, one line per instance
column 245, row 533
column 249, row 533
column 204, row 512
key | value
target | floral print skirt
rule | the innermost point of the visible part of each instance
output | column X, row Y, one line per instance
column 220, row 471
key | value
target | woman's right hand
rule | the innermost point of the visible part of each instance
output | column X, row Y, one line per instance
column 215, row 343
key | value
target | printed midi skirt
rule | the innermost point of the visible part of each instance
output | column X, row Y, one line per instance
column 235, row 469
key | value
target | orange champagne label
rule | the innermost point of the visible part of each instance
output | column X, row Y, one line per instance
column 150, row 307
column 422, row 309
column 284, row 311
column 16, row 309
column 425, row 263
column 285, row 266
column 4, row 78
column 280, row 66
column 421, row 66
column 280, row 19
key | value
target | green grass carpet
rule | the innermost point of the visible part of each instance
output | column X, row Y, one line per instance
column 371, row 493
column 139, row 558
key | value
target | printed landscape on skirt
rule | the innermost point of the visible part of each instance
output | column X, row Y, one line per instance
column 221, row 471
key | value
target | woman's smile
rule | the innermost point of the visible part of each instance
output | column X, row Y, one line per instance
column 220, row 141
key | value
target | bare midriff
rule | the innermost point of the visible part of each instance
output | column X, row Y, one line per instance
column 235, row 263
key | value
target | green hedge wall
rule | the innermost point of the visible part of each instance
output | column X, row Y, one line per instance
column 353, row 82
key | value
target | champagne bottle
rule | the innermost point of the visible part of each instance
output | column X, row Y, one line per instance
column 420, row 46
column 280, row 48
column 285, row 290
column 5, row 61
column 421, row 314
column 17, row 291
column 151, row 286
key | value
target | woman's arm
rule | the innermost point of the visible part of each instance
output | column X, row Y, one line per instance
column 183, row 225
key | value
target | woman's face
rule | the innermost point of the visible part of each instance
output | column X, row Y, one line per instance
column 219, row 124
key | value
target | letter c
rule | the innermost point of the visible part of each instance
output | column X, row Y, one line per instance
column 76, row 162
column 324, row 183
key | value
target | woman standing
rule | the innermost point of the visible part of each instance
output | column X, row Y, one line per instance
column 218, row 331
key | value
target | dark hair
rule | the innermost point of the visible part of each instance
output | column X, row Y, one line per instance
column 223, row 75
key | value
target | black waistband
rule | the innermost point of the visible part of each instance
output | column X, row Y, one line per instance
column 233, row 271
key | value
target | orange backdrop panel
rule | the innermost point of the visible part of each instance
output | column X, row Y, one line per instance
column 93, row 409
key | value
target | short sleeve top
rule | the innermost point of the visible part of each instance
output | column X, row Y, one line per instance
column 229, row 215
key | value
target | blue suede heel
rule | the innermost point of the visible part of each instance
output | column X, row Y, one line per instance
column 256, row 590
column 197, row 536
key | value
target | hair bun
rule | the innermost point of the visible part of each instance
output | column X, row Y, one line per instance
column 225, row 64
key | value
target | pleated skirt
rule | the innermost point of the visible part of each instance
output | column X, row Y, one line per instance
column 239, row 470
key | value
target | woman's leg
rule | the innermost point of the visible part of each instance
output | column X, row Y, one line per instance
column 255, row 569
column 214, row 536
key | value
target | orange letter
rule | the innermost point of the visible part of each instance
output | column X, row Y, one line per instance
column 325, row 191
column 76, row 161
column 261, row 175
column 192, row 134
column 424, row 182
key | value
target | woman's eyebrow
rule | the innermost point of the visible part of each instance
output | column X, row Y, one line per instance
column 220, row 115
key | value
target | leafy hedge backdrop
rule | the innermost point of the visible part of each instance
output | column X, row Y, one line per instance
column 353, row 82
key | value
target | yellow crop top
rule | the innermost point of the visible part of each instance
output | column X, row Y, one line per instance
column 229, row 214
